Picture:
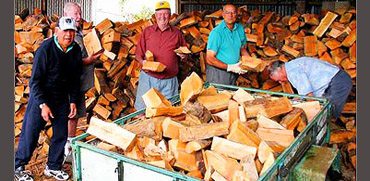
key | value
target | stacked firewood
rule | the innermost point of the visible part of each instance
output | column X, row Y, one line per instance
column 210, row 135
column 330, row 36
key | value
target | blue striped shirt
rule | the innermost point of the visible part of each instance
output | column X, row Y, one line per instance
column 308, row 75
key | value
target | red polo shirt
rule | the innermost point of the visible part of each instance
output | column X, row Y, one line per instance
column 161, row 44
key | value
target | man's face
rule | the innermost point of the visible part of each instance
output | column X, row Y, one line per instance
column 75, row 13
column 66, row 37
column 278, row 75
column 229, row 14
column 162, row 16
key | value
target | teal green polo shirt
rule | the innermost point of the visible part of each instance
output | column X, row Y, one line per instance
column 227, row 43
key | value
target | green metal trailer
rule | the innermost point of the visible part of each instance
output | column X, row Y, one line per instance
column 91, row 163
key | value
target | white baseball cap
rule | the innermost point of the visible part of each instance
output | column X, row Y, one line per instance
column 67, row 23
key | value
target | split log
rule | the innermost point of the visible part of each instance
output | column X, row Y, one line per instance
column 290, row 51
column 171, row 128
column 252, row 63
column 112, row 133
column 264, row 122
column 294, row 118
column 149, row 56
column 197, row 145
column 222, row 164
column 92, row 43
column 190, row 87
column 349, row 107
column 268, row 163
column 227, row 147
column 324, row 24
column 249, row 167
column 101, row 111
column 107, row 147
column 350, row 39
column 214, row 103
column 153, row 66
column 110, row 36
column 182, row 49
column 283, row 137
column 240, row 133
column 153, row 98
column 266, row 148
column 203, row 131
column 310, row 108
column 310, row 43
column 104, row 26
column 233, row 110
column 341, row 136
column 197, row 112
column 277, row 107
column 186, row 161
column 151, row 128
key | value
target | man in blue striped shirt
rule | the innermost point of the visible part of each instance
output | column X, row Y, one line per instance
column 314, row 77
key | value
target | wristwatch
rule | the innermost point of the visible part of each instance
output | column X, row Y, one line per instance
column 42, row 105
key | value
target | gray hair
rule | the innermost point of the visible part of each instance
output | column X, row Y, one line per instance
column 68, row 6
column 275, row 65
column 223, row 7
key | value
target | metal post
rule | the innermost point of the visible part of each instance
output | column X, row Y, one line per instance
column 301, row 7
column 44, row 7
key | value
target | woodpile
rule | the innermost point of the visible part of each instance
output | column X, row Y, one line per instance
column 222, row 146
column 329, row 36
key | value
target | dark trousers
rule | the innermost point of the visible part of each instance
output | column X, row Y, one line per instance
column 338, row 91
column 31, row 128
column 220, row 76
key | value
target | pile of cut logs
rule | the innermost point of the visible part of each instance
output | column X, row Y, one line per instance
column 330, row 36
column 218, row 135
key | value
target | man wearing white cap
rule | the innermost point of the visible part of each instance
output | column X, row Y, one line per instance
column 54, row 86
column 161, row 39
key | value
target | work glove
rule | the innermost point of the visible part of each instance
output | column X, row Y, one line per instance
column 236, row 68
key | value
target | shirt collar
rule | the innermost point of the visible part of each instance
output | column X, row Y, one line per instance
column 223, row 25
column 60, row 47
column 157, row 28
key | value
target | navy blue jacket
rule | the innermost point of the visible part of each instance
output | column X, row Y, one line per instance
column 55, row 74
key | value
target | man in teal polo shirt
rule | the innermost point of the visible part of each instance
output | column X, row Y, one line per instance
column 225, row 46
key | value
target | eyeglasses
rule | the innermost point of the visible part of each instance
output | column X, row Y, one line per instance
column 230, row 12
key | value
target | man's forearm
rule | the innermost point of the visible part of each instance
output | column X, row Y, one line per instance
column 211, row 60
column 244, row 52
column 87, row 61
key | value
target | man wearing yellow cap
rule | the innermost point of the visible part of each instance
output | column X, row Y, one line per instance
column 161, row 39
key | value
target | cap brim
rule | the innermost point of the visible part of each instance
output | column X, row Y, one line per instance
column 69, row 28
column 163, row 8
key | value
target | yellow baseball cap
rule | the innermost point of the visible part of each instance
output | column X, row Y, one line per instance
column 162, row 5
